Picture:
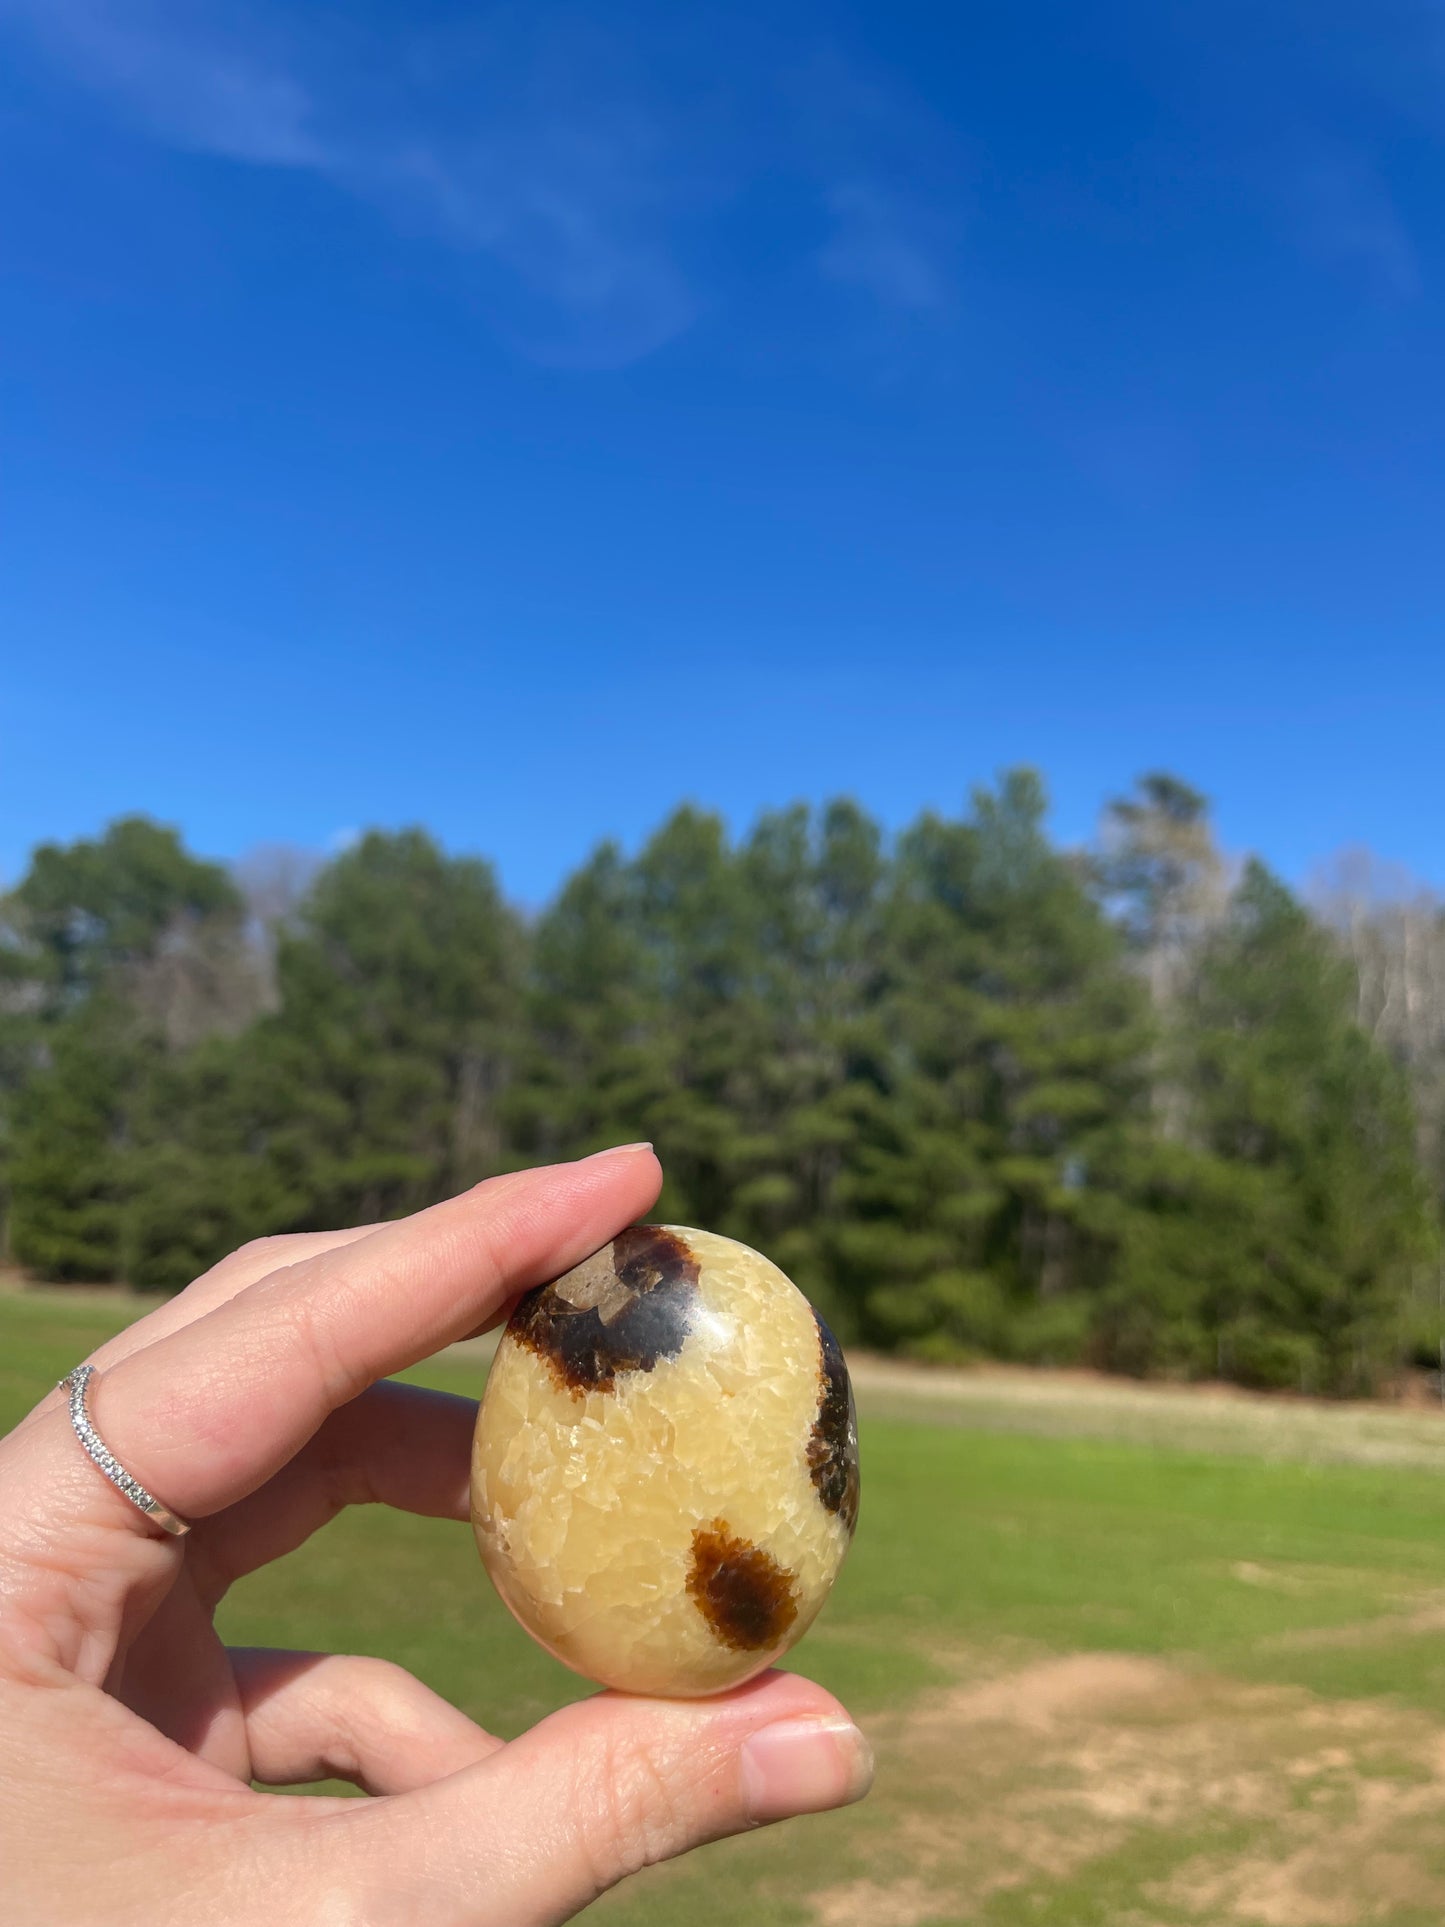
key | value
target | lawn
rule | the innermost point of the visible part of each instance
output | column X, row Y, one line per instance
column 1109, row 1679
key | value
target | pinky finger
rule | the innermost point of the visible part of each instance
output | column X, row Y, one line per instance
column 319, row 1716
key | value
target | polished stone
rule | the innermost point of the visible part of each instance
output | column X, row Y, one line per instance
column 665, row 1469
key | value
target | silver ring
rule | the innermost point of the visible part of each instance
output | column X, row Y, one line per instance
column 100, row 1455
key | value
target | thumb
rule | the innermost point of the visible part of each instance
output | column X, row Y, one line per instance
column 535, row 1833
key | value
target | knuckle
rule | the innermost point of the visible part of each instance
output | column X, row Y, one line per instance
column 631, row 1806
column 346, row 1681
column 356, row 1701
column 266, row 1252
column 372, row 1700
column 316, row 1324
column 382, row 1686
column 262, row 1258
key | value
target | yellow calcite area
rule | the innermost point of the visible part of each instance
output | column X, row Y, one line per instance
column 590, row 1503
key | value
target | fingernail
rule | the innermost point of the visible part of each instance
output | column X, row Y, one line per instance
column 804, row 1766
column 616, row 1150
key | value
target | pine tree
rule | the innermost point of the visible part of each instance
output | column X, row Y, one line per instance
column 69, row 1165
column 104, row 937
column 809, row 1074
column 706, row 997
column 694, row 926
column 1281, row 1235
column 1163, row 870
column 931, row 1081
column 381, row 1076
column 202, row 1172
column 1016, row 1040
column 91, row 911
column 591, row 1068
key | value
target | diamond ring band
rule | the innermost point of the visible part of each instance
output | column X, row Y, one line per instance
column 105, row 1460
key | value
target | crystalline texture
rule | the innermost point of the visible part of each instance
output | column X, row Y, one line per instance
column 645, row 1484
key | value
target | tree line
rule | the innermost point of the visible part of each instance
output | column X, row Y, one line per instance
column 977, row 1094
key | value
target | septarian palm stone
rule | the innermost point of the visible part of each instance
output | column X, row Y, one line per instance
column 665, row 1470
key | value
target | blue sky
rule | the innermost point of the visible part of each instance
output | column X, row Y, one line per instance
column 519, row 419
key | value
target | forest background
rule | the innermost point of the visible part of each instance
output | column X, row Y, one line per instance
column 1133, row 1106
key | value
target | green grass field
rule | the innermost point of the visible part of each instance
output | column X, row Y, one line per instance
column 1110, row 1680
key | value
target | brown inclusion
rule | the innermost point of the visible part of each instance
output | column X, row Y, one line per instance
column 833, row 1446
column 745, row 1596
column 621, row 1311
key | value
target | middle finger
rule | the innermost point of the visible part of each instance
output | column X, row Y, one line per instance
column 395, row 1445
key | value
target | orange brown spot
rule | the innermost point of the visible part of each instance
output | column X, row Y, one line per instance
column 745, row 1596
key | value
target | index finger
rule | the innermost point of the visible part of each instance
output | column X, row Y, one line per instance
column 206, row 1414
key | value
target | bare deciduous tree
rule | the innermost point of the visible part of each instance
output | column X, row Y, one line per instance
column 1392, row 926
column 1167, row 881
column 274, row 880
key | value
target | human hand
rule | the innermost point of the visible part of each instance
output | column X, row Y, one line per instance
column 129, row 1736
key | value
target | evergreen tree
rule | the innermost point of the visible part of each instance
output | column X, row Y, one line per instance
column 101, row 937
column 203, row 1174
column 808, row 1073
column 71, row 1133
column 591, row 1067
column 89, row 912
column 706, row 997
column 931, row 1082
column 379, row 1080
column 1280, row 1239
column 1163, row 876
column 645, row 1012
column 1163, row 870
column 982, row 1192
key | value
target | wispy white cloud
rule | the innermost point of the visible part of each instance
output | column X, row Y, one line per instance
column 185, row 80
column 567, row 212
column 891, row 249
column 532, row 144
column 892, row 187
column 1341, row 214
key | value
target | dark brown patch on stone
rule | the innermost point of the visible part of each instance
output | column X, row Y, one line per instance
column 625, row 1308
column 745, row 1596
column 833, row 1446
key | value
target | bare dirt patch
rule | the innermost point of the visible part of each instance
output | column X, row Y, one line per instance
column 1256, row 1805
column 1425, row 1618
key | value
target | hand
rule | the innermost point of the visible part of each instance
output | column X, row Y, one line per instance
column 129, row 1736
